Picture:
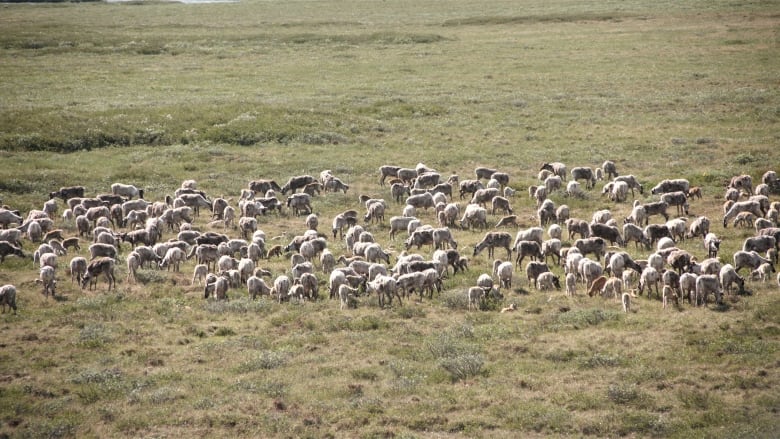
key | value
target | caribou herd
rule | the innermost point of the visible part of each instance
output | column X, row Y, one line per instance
column 432, row 213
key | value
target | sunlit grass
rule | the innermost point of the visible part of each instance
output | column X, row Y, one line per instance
column 153, row 93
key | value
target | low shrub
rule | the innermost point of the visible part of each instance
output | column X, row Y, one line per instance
column 463, row 366
column 263, row 361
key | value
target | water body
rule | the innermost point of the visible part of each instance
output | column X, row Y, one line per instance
column 187, row 2
column 195, row 2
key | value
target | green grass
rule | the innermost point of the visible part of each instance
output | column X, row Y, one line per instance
column 153, row 93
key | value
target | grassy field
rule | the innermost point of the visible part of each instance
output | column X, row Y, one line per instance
column 153, row 93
